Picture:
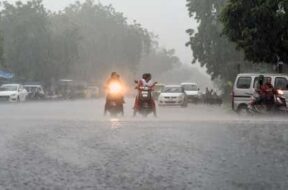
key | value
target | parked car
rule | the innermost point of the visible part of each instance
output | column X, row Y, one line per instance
column 245, row 84
column 35, row 92
column 13, row 93
column 157, row 90
column 192, row 92
column 173, row 95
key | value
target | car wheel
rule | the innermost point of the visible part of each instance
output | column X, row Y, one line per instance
column 243, row 110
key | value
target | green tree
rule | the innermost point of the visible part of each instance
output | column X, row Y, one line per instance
column 210, row 49
column 214, row 50
column 259, row 28
column 26, row 36
column 107, row 42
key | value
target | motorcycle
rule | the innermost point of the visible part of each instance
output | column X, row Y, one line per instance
column 145, row 99
column 115, row 100
column 277, row 105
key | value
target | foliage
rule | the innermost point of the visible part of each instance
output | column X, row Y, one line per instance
column 259, row 28
column 85, row 41
column 209, row 47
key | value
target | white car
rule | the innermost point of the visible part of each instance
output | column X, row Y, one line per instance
column 172, row 95
column 13, row 93
column 192, row 92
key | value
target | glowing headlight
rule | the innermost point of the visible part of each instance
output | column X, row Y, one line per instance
column 115, row 88
column 280, row 92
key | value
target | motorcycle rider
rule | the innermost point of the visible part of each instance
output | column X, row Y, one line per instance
column 266, row 93
column 114, row 78
column 269, row 92
column 260, row 90
column 146, row 81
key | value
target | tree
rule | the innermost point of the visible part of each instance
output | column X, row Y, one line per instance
column 107, row 42
column 26, row 36
column 259, row 28
column 211, row 48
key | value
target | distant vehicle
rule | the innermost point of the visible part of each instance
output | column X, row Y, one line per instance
column 192, row 92
column 245, row 84
column 92, row 92
column 35, row 92
column 69, row 89
column 13, row 93
column 173, row 95
column 157, row 90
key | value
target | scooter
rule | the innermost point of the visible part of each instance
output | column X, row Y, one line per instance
column 277, row 105
column 114, row 100
column 145, row 99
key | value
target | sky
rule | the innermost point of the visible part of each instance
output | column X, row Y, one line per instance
column 168, row 19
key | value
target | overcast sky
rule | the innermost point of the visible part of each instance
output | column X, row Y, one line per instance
column 166, row 18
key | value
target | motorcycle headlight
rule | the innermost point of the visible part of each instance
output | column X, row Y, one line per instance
column 115, row 88
column 280, row 92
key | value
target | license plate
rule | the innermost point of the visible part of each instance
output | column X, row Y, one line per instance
column 145, row 94
column 170, row 102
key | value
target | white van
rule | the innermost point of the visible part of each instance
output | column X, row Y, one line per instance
column 192, row 91
column 245, row 84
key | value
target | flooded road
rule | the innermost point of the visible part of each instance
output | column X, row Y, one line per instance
column 70, row 145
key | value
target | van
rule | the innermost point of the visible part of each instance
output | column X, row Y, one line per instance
column 245, row 84
column 192, row 91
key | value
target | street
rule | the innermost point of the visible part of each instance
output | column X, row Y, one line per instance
column 71, row 145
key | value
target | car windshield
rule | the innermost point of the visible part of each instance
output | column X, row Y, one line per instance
column 189, row 87
column 173, row 89
column 159, row 88
column 32, row 88
column 8, row 88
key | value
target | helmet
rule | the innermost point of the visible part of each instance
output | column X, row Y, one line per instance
column 114, row 74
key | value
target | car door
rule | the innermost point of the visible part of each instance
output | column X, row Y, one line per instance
column 243, row 89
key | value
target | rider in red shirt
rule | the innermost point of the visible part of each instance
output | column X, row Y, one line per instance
column 146, row 81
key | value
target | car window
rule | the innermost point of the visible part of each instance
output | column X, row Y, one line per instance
column 244, row 82
column 8, row 88
column 173, row 89
column 189, row 87
column 281, row 83
column 257, row 79
column 159, row 88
